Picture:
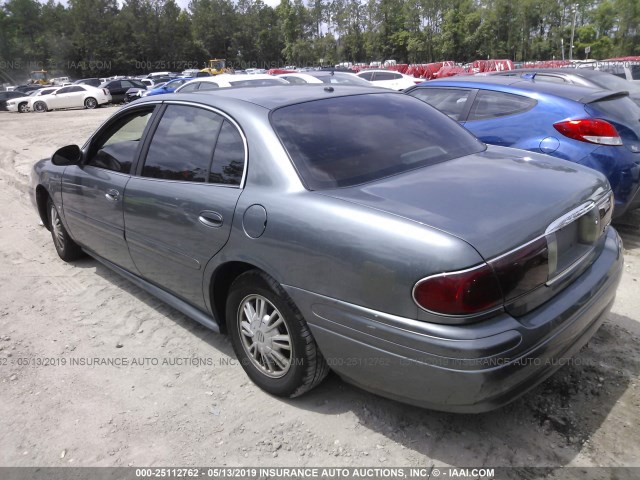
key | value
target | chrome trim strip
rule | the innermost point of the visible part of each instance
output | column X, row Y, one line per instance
column 570, row 217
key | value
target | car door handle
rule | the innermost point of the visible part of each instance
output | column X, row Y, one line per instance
column 112, row 195
column 210, row 219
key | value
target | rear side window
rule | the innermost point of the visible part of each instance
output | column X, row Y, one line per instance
column 490, row 104
column 345, row 141
column 195, row 145
column 450, row 101
column 366, row 75
column 182, row 145
column 228, row 159
column 385, row 76
column 203, row 86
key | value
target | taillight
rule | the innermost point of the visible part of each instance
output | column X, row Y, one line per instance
column 106, row 92
column 459, row 293
column 487, row 286
column 590, row 130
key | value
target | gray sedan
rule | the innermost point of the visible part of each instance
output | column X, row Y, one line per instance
column 345, row 228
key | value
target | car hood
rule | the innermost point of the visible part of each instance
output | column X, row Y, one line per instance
column 495, row 200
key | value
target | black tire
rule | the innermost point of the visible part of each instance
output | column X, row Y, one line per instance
column 23, row 107
column 40, row 107
column 307, row 367
column 90, row 103
column 67, row 249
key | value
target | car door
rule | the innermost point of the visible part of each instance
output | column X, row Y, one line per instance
column 72, row 97
column 92, row 193
column 58, row 99
column 117, row 91
column 179, row 209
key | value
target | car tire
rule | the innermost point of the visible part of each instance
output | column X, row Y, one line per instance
column 23, row 107
column 40, row 107
column 90, row 103
column 67, row 249
column 261, row 343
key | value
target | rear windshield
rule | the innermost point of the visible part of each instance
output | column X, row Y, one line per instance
column 624, row 114
column 344, row 79
column 346, row 141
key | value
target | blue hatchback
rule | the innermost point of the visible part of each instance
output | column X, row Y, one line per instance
column 596, row 128
column 168, row 87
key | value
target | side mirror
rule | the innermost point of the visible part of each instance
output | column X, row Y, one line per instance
column 69, row 155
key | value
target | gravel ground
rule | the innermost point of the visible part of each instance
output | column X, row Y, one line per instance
column 55, row 413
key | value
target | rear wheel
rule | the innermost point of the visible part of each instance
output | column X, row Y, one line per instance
column 23, row 107
column 90, row 103
column 271, row 338
column 67, row 249
column 40, row 107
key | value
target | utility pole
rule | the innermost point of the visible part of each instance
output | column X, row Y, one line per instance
column 574, row 9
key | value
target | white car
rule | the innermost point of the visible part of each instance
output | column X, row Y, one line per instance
column 299, row 78
column 326, row 76
column 21, row 104
column 73, row 96
column 230, row 80
column 389, row 79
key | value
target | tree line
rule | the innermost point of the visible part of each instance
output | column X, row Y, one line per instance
column 103, row 37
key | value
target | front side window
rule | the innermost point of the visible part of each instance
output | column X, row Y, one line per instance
column 346, row 141
column 450, row 101
column 489, row 104
column 366, row 75
column 116, row 148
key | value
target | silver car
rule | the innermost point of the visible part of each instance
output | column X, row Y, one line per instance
column 346, row 228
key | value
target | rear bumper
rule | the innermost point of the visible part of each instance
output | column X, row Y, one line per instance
column 463, row 368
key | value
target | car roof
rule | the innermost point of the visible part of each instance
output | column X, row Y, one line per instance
column 581, row 72
column 275, row 96
column 527, row 86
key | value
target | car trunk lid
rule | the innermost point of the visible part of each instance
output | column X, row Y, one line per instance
column 495, row 200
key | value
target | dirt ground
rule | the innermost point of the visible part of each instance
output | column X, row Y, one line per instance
column 55, row 413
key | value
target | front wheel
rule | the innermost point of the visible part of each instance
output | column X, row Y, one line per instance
column 40, row 107
column 23, row 107
column 67, row 249
column 271, row 338
column 90, row 103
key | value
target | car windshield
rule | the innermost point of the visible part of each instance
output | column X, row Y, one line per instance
column 344, row 79
column 346, row 141
column 258, row 82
